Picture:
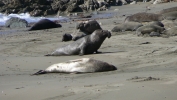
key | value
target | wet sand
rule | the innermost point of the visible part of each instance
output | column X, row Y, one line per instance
column 146, row 65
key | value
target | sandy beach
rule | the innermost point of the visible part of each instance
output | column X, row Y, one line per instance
column 146, row 65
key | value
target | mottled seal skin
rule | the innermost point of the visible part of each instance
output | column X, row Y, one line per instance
column 86, row 45
column 170, row 32
column 44, row 24
column 83, row 65
column 168, row 10
column 144, row 17
column 170, row 15
column 129, row 26
column 147, row 29
column 169, row 23
column 86, row 28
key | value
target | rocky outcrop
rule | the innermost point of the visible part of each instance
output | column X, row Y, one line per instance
column 34, row 7
column 49, row 7
column 15, row 22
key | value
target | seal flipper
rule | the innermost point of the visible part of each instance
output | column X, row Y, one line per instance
column 48, row 55
column 40, row 72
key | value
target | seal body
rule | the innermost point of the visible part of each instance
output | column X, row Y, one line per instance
column 83, row 29
column 170, row 15
column 129, row 26
column 158, row 23
column 86, row 45
column 88, row 27
column 148, row 29
column 170, row 32
column 168, row 10
column 144, row 17
column 83, row 65
column 44, row 24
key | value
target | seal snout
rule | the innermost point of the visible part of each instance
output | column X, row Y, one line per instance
column 109, row 34
column 114, row 68
column 40, row 72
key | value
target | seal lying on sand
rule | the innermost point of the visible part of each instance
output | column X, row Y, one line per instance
column 170, row 15
column 44, row 24
column 83, row 65
column 158, row 23
column 147, row 29
column 86, row 27
column 144, row 17
column 85, row 45
column 168, row 10
column 129, row 26
column 171, row 32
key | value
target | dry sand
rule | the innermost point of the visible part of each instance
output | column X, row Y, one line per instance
column 146, row 65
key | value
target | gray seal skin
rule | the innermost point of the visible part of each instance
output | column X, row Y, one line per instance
column 129, row 26
column 85, row 45
column 170, row 15
column 168, row 10
column 170, row 32
column 83, row 65
column 144, row 17
column 158, row 23
column 147, row 29
column 44, row 24
column 86, row 28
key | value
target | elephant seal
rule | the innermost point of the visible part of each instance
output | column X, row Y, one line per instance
column 44, row 24
column 88, row 27
column 85, row 45
column 158, row 23
column 167, row 10
column 169, row 23
column 171, row 31
column 83, row 65
column 83, row 29
column 170, row 15
column 66, row 37
column 144, row 17
column 129, row 26
column 74, row 36
column 147, row 29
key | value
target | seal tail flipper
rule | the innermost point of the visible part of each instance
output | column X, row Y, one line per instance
column 40, row 72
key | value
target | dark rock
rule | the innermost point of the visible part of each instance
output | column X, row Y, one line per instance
column 15, row 22
column 1, row 3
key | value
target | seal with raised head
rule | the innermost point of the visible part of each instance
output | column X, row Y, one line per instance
column 85, row 28
column 129, row 26
column 83, row 65
column 85, row 45
column 44, row 24
column 88, row 27
column 147, row 29
column 144, row 17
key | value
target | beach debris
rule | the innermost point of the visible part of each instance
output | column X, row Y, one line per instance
column 142, row 79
